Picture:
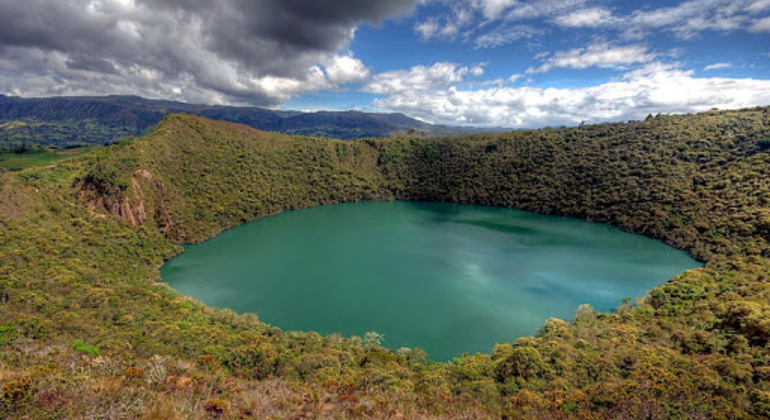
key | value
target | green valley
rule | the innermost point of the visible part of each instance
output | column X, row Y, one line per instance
column 23, row 159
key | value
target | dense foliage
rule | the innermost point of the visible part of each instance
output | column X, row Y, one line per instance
column 87, row 329
column 78, row 121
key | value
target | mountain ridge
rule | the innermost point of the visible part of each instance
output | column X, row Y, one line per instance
column 68, row 121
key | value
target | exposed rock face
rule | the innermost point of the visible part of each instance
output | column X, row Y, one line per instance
column 131, row 205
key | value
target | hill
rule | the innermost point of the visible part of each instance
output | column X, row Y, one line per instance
column 81, row 121
column 87, row 329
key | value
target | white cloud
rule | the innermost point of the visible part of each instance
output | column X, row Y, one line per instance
column 586, row 18
column 759, row 6
column 342, row 69
column 506, row 34
column 421, row 78
column 473, row 17
column 448, row 26
column 536, row 9
column 684, row 20
column 656, row 87
column 717, row 66
column 493, row 8
column 762, row 25
column 283, row 88
column 464, row 16
column 476, row 19
column 427, row 29
column 597, row 55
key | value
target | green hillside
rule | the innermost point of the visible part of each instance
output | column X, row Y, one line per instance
column 70, row 121
column 88, row 331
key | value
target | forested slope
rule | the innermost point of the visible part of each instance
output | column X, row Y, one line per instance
column 685, row 179
column 78, row 121
column 87, row 329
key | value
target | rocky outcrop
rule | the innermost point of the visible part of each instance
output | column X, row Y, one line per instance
column 133, row 205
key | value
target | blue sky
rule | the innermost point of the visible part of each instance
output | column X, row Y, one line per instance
column 489, row 63
column 567, row 46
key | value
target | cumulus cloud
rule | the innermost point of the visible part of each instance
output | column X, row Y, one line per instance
column 655, row 87
column 342, row 69
column 421, row 78
column 597, row 55
column 244, row 51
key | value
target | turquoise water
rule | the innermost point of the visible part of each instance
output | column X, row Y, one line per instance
column 448, row 278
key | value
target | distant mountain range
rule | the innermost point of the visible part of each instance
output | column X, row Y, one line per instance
column 73, row 121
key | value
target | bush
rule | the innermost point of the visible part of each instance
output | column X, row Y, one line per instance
column 525, row 362
column 80, row 347
column 16, row 393
column 216, row 407
column 7, row 334
column 134, row 373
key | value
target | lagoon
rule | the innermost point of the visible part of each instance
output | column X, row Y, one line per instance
column 448, row 278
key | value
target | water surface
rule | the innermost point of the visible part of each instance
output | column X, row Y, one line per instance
column 448, row 278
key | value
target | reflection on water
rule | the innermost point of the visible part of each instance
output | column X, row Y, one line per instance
column 445, row 277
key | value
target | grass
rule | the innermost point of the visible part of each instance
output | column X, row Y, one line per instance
column 13, row 161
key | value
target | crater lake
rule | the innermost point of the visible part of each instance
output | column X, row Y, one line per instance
column 448, row 278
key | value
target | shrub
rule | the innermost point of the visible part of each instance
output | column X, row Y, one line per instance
column 16, row 393
column 207, row 360
column 373, row 338
column 216, row 407
column 524, row 361
column 134, row 373
column 80, row 347
column 257, row 360
column 7, row 334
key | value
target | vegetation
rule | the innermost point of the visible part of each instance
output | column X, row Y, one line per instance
column 79, row 347
column 26, row 158
column 88, row 330
column 79, row 121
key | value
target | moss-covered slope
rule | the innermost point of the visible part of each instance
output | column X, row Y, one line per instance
column 87, row 329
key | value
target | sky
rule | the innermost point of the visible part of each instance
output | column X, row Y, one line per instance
column 484, row 63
